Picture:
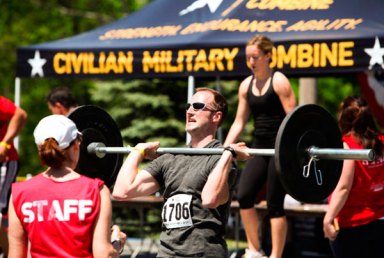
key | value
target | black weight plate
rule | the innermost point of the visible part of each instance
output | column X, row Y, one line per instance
column 97, row 125
column 306, row 126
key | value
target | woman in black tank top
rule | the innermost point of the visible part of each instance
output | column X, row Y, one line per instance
column 267, row 97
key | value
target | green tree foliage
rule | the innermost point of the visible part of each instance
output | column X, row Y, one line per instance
column 145, row 110
column 25, row 23
column 332, row 90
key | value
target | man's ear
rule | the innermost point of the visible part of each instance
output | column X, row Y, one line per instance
column 217, row 116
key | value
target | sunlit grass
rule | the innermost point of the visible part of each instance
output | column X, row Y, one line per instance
column 232, row 244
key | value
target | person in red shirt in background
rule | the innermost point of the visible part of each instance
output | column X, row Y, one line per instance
column 357, row 203
column 12, row 121
column 60, row 212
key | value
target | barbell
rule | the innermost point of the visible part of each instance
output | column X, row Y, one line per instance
column 308, row 150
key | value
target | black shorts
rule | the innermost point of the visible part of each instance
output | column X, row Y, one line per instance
column 8, row 173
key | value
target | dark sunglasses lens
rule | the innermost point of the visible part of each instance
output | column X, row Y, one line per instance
column 198, row 105
column 195, row 106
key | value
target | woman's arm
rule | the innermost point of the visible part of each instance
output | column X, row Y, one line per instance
column 242, row 114
column 283, row 89
column 339, row 197
column 17, row 237
column 101, row 242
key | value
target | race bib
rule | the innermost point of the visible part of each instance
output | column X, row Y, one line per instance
column 176, row 211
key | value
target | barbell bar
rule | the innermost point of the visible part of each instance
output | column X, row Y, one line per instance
column 308, row 150
column 100, row 150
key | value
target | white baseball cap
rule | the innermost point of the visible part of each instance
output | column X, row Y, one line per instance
column 59, row 127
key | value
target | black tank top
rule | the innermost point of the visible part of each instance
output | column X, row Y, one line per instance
column 268, row 113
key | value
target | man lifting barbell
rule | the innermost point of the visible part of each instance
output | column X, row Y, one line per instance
column 197, row 188
column 308, row 153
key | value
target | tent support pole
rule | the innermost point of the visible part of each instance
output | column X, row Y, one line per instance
column 220, row 129
column 17, row 103
column 307, row 90
column 191, row 89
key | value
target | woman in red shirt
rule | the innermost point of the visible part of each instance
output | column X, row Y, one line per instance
column 60, row 212
column 357, row 203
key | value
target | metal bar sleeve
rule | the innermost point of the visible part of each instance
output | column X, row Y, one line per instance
column 353, row 154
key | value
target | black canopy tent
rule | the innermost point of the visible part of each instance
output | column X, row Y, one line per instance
column 207, row 37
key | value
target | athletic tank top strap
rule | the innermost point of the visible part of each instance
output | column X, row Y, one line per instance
column 267, row 112
column 269, row 90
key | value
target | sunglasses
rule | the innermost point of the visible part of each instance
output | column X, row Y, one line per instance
column 197, row 106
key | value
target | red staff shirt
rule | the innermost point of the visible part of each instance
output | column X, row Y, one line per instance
column 365, row 202
column 58, row 217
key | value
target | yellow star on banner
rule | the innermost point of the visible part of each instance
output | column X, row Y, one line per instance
column 376, row 53
column 37, row 64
